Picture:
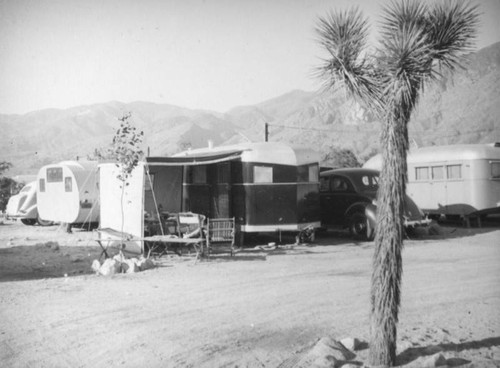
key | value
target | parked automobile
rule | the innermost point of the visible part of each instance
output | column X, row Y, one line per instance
column 348, row 200
column 23, row 206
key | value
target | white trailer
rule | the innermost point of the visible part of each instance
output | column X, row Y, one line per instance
column 456, row 180
column 68, row 192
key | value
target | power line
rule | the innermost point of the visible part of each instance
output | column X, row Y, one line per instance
column 434, row 134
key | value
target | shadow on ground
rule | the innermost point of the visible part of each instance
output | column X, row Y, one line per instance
column 411, row 354
column 46, row 260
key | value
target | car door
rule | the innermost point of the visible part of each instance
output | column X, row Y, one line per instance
column 337, row 195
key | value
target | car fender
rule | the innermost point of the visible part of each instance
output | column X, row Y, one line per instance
column 367, row 208
column 371, row 214
column 31, row 212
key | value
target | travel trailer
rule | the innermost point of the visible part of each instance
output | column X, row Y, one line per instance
column 68, row 192
column 265, row 187
column 455, row 180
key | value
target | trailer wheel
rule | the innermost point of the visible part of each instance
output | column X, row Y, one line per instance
column 29, row 222
column 360, row 228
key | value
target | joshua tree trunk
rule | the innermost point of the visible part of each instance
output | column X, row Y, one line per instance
column 387, row 261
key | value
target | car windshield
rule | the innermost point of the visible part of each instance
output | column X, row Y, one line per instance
column 27, row 188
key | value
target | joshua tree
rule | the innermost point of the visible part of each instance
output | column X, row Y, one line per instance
column 419, row 41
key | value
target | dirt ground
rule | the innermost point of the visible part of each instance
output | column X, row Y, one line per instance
column 261, row 308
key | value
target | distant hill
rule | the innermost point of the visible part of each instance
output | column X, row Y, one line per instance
column 464, row 108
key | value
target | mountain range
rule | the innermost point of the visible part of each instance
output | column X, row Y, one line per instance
column 461, row 108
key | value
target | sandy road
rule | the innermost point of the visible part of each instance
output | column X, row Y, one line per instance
column 255, row 310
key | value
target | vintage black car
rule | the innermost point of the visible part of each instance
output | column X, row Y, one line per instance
column 348, row 200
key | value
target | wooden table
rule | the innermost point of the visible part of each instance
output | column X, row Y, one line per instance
column 157, row 240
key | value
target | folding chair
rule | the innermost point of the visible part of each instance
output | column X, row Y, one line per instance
column 220, row 230
column 190, row 226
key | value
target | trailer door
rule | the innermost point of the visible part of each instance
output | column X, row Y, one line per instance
column 220, row 206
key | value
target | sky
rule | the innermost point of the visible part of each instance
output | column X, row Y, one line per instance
column 199, row 54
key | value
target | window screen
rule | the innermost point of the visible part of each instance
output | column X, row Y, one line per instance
column 313, row 173
column 199, row 174
column 68, row 184
column 454, row 171
column 41, row 185
column 437, row 172
column 54, row 174
column 421, row 173
column 262, row 174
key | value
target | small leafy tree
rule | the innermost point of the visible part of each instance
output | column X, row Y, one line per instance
column 8, row 186
column 4, row 166
column 126, row 150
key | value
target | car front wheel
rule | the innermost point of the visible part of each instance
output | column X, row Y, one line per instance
column 360, row 228
column 29, row 222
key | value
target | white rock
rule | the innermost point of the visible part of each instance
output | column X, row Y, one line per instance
column 325, row 362
column 436, row 360
column 351, row 343
column 404, row 345
column 96, row 265
column 327, row 346
column 145, row 264
column 131, row 266
column 110, row 267
column 119, row 258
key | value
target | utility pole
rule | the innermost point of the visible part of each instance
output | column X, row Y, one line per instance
column 267, row 132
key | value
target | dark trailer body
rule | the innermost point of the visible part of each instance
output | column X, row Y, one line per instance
column 266, row 187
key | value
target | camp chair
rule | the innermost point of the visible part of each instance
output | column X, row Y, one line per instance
column 190, row 227
column 181, row 230
column 220, row 230
column 170, row 224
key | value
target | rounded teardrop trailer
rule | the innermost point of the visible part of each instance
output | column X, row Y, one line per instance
column 68, row 192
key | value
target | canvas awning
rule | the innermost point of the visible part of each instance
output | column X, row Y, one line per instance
column 195, row 159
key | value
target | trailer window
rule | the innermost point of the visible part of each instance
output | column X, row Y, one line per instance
column 68, row 184
column 307, row 173
column 54, row 175
column 421, row 173
column 313, row 173
column 495, row 169
column 454, row 171
column 223, row 173
column 262, row 174
column 437, row 172
column 302, row 174
column 41, row 185
column 197, row 174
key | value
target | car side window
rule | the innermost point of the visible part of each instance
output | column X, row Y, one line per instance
column 338, row 184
